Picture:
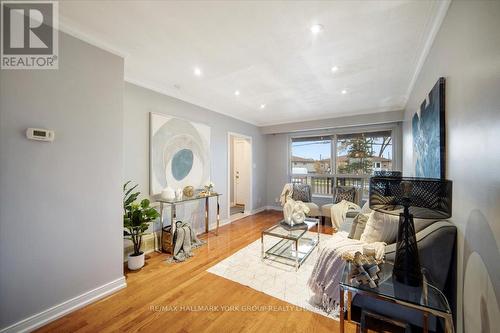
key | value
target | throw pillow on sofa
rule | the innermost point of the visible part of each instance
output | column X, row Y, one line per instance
column 358, row 226
column 345, row 194
column 380, row 227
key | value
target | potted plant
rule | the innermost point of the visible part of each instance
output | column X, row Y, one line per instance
column 136, row 219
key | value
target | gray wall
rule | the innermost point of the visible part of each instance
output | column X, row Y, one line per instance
column 467, row 52
column 139, row 102
column 231, row 171
column 60, row 202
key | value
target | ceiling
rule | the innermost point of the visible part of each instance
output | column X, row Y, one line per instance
column 267, row 52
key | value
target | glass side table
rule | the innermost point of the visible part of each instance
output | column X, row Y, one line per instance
column 427, row 299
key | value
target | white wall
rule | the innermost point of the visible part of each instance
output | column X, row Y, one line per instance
column 467, row 52
column 139, row 102
column 60, row 202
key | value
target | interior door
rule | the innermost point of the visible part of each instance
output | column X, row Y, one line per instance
column 241, row 172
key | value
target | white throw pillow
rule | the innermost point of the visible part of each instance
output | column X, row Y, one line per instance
column 380, row 227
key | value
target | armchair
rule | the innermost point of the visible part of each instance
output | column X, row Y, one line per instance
column 302, row 192
column 356, row 198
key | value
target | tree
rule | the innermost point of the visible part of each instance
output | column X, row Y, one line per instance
column 386, row 141
column 359, row 153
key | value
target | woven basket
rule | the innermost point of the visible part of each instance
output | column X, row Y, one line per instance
column 167, row 245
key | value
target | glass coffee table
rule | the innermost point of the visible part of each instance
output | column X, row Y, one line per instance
column 294, row 245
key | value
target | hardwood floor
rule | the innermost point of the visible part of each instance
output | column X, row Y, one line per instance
column 188, row 287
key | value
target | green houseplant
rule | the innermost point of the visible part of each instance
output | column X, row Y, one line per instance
column 136, row 219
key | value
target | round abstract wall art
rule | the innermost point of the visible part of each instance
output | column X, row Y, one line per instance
column 182, row 163
column 179, row 153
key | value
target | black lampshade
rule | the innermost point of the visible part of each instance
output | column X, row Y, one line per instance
column 426, row 198
column 387, row 173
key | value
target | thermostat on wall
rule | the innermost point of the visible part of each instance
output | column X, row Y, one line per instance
column 40, row 134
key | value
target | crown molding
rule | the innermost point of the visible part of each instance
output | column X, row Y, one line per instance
column 433, row 31
column 161, row 90
column 67, row 26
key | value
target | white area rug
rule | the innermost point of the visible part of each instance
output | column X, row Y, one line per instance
column 270, row 277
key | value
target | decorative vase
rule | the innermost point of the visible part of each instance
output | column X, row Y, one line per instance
column 168, row 194
column 135, row 262
column 188, row 191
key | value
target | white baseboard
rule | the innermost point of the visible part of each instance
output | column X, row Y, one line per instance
column 38, row 320
column 278, row 208
column 240, row 216
column 258, row 210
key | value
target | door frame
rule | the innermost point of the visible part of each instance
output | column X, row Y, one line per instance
column 248, row 210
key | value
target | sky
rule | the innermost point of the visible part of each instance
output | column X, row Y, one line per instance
column 321, row 149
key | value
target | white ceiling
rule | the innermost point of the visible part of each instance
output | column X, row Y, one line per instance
column 266, row 51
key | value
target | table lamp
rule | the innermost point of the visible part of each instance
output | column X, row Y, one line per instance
column 387, row 173
column 408, row 197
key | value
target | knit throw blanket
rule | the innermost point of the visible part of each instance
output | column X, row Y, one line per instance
column 185, row 241
column 327, row 272
column 338, row 212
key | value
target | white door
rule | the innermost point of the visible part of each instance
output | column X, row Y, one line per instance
column 241, row 172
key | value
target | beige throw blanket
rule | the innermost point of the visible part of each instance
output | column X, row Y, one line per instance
column 339, row 211
column 327, row 272
column 184, row 241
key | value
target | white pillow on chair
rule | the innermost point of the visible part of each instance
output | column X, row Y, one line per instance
column 380, row 227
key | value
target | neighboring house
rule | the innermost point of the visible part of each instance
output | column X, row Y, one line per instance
column 381, row 163
column 308, row 165
column 378, row 163
column 301, row 165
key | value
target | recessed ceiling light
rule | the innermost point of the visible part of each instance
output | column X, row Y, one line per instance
column 237, row 92
column 335, row 68
column 344, row 92
column 316, row 28
column 263, row 106
column 197, row 71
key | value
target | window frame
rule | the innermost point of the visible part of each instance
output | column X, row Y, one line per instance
column 396, row 134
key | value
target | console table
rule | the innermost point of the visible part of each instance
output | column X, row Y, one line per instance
column 173, row 203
